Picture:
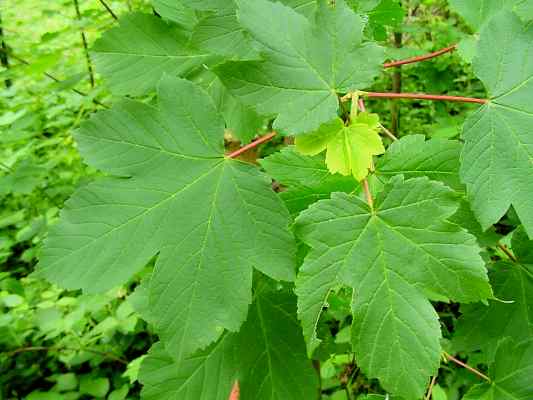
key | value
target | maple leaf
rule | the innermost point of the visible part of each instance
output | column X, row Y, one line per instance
column 478, row 13
column 510, row 374
column 133, row 57
column 306, row 178
column 268, row 357
column 481, row 326
column 414, row 156
column 349, row 148
column 394, row 257
column 497, row 158
column 304, row 63
column 210, row 219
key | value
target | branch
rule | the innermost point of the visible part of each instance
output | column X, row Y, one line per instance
column 85, row 46
column 421, row 96
column 52, row 77
column 368, row 195
column 249, row 146
column 430, row 389
column 507, row 253
column 420, row 58
column 468, row 367
column 109, row 10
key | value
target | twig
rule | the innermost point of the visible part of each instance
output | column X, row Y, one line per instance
column 4, row 59
column 430, row 389
column 235, row 392
column 59, row 349
column 362, row 107
column 420, row 58
column 421, row 96
column 109, row 10
column 368, row 195
column 52, row 77
column 507, row 252
column 468, row 367
column 396, row 87
column 6, row 167
column 85, row 46
column 255, row 143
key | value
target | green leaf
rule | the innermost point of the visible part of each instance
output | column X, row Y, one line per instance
column 175, row 11
column 307, row 177
column 305, row 63
column 134, row 56
column 394, row 258
column 210, row 219
column 497, row 158
column 481, row 326
column 241, row 120
column 96, row 387
column 478, row 13
column 349, row 148
column 510, row 374
column 267, row 356
column 413, row 156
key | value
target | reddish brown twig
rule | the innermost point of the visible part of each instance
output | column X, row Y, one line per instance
column 507, row 252
column 420, row 58
column 255, row 143
column 421, row 96
column 368, row 194
column 468, row 367
column 235, row 392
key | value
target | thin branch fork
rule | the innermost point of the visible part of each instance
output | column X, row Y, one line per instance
column 109, row 10
column 420, row 58
column 251, row 145
column 468, row 367
column 422, row 96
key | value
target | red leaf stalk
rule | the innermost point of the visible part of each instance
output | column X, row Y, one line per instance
column 421, row 96
column 253, row 144
column 420, row 58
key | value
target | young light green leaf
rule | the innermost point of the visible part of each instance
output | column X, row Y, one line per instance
column 305, row 63
column 510, row 374
column 413, row 156
column 395, row 257
column 134, row 56
column 349, row 148
column 267, row 355
column 497, row 158
column 211, row 220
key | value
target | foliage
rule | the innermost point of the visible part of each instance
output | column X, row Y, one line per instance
column 335, row 262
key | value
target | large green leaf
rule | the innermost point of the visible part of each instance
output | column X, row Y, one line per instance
column 175, row 11
column 510, row 374
column 481, row 326
column 476, row 13
column 306, row 178
column 413, row 156
column 267, row 356
column 134, row 56
column 210, row 219
column 497, row 158
column 394, row 257
column 305, row 63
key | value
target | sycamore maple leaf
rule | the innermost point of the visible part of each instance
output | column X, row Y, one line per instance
column 210, row 219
